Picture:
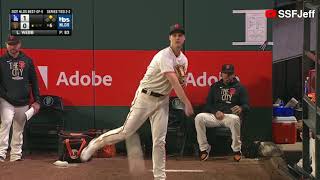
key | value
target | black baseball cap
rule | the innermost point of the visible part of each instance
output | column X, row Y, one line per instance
column 227, row 68
column 176, row 28
column 13, row 40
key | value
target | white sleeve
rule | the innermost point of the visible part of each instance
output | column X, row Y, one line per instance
column 166, row 64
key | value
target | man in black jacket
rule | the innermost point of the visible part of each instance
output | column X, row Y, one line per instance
column 226, row 101
column 17, row 78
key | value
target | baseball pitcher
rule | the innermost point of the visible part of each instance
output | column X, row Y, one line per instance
column 167, row 70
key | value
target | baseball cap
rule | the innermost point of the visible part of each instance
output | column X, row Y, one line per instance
column 227, row 68
column 176, row 28
column 13, row 40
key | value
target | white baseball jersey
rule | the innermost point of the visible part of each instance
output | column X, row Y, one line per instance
column 164, row 61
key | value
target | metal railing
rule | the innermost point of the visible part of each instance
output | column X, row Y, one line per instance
column 311, row 112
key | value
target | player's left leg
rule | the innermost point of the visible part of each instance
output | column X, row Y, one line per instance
column 19, row 121
column 159, row 123
column 142, row 107
column 232, row 121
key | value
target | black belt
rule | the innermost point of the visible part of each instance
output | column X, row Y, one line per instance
column 151, row 93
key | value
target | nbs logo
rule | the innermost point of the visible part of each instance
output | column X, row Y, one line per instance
column 64, row 21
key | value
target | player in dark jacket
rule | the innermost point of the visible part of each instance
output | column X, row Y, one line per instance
column 226, row 101
column 17, row 78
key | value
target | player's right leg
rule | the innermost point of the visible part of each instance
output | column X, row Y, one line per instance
column 7, row 113
column 142, row 107
column 202, row 121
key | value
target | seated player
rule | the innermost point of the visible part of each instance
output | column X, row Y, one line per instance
column 226, row 101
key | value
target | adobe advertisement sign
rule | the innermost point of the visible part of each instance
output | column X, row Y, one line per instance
column 112, row 78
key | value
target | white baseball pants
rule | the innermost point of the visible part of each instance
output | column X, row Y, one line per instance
column 11, row 115
column 231, row 121
column 143, row 107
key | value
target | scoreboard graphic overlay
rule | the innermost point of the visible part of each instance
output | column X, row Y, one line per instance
column 41, row 22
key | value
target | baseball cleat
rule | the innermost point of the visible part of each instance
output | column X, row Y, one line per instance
column 88, row 151
column 204, row 155
column 237, row 156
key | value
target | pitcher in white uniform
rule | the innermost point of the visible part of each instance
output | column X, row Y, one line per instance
column 166, row 71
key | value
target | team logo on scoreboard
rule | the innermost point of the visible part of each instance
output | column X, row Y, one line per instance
column 15, row 25
column 64, row 21
column 15, row 17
